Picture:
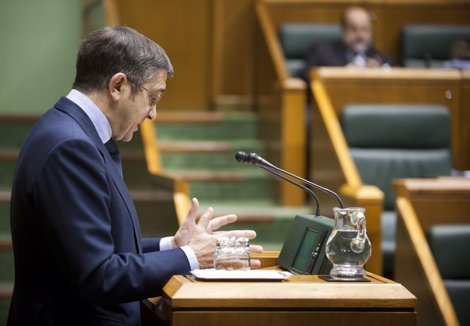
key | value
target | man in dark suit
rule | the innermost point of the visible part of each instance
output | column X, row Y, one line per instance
column 353, row 49
column 79, row 256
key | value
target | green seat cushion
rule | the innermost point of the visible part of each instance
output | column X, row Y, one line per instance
column 390, row 141
column 459, row 293
column 396, row 126
column 449, row 244
column 297, row 38
column 380, row 166
column 388, row 226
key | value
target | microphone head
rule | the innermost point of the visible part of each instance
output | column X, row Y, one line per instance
column 242, row 157
column 251, row 158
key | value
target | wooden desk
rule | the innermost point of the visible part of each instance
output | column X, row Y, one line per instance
column 431, row 197
column 422, row 203
column 405, row 85
column 299, row 301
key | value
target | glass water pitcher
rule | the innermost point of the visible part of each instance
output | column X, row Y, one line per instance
column 348, row 247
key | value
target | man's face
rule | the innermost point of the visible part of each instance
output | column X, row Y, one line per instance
column 133, row 110
column 357, row 32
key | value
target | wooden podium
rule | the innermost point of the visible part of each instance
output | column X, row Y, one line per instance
column 301, row 300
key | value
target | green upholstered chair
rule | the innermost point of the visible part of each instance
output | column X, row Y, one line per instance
column 449, row 245
column 429, row 45
column 296, row 39
column 391, row 141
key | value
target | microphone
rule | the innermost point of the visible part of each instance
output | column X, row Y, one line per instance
column 257, row 160
column 241, row 156
column 279, row 175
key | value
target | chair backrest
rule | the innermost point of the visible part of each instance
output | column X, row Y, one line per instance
column 296, row 39
column 390, row 141
column 448, row 244
column 429, row 45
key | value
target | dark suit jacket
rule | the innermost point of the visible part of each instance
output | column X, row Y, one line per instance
column 334, row 54
column 79, row 257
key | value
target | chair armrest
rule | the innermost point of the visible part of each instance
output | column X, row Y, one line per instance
column 294, row 84
column 335, row 133
column 180, row 192
column 177, row 186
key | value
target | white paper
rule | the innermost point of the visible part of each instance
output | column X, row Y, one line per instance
column 257, row 274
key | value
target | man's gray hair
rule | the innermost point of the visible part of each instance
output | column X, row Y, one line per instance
column 111, row 50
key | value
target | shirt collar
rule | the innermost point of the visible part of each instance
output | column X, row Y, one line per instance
column 96, row 116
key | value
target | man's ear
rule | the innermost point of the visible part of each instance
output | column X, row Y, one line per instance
column 115, row 86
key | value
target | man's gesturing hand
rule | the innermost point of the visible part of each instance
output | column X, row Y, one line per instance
column 201, row 238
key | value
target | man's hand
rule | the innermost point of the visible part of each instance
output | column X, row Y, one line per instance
column 201, row 238
column 374, row 62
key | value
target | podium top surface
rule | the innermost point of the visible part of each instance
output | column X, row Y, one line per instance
column 299, row 291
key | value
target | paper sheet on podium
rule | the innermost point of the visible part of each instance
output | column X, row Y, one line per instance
column 237, row 275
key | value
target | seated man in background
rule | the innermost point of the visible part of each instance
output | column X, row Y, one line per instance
column 459, row 55
column 353, row 49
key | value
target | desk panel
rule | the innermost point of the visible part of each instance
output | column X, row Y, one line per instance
column 299, row 300
column 437, row 201
column 290, row 318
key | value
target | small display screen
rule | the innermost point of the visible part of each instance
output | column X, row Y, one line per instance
column 304, row 254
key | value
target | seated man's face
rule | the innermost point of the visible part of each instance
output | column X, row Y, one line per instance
column 357, row 30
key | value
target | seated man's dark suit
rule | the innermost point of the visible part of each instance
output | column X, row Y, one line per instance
column 79, row 257
column 335, row 54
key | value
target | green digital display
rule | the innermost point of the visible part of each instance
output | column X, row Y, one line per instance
column 303, row 257
column 303, row 251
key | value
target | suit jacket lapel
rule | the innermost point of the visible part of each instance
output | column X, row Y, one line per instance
column 73, row 110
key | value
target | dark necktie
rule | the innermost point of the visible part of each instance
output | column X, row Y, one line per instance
column 114, row 152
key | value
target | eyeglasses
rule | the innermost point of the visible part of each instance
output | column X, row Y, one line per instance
column 153, row 99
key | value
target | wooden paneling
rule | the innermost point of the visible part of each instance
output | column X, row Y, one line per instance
column 233, row 47
column 213, row 43
column 184, row 30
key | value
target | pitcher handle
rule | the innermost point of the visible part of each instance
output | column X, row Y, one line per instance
column 358, row 243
